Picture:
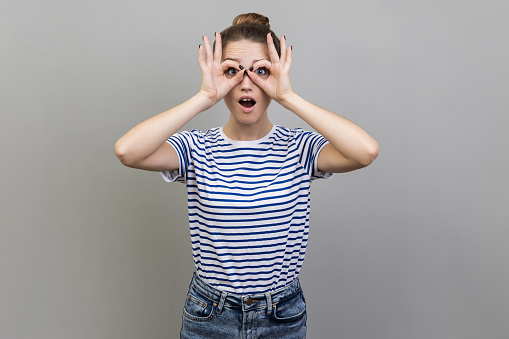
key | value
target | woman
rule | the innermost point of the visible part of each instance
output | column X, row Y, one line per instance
column 248, row 183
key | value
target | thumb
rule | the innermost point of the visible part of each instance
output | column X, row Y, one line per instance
column 236, row 79
column 255, row 78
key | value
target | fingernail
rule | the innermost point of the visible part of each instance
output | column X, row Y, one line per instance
column 245, row 71
column 203, row 37
column 251, row 69
column 284, row 36
column 240, row 66
column 199, row 46
column 291, row 47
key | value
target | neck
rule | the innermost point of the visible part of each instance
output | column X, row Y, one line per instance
column 236, row 130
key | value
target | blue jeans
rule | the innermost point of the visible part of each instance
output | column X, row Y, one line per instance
column 210, row 313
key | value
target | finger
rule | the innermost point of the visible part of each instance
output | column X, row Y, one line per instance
column 258, row 81
column 283, row 49
column 236, row 79
column 201, row 57
column 229, row 63
column 208, row 50
column 218, row 52
column 230, row 83
column 261, row 63
column 274, row 58
column 288, row 62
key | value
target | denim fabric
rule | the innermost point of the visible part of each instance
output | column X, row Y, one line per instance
column 210, row 313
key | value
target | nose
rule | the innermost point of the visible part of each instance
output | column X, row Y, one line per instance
column 246, row 83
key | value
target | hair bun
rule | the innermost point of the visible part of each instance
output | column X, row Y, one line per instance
column 251, row 19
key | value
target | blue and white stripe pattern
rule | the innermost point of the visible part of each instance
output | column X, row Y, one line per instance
column 248, row 205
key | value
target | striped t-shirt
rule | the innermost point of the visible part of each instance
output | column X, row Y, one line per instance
column 248, row 204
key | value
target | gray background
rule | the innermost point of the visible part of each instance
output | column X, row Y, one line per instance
column 414, row 246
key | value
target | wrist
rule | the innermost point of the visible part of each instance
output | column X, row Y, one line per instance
column 205, row 100
column 287, row 100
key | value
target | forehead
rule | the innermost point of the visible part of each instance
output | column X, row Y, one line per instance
column 245, row 51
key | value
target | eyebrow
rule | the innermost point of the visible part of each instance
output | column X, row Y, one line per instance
column 237, row 60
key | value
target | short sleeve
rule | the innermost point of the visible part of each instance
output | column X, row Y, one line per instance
column 310, row 144
column 183, row 144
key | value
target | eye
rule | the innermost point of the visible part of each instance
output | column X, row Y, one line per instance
column 231, row 72
column 262, row 72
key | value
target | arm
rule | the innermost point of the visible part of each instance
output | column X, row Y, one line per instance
column 349, row 148
column 145, row 146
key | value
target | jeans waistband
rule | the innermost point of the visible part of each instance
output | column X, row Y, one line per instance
column 248, row 301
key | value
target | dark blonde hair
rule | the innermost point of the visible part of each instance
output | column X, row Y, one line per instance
column 250, row 26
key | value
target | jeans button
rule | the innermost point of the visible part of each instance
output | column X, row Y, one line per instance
column 249, row 301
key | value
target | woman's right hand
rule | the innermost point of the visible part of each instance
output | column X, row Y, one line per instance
column 214, row 83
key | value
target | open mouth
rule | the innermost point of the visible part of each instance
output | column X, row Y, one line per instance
column 247, row 103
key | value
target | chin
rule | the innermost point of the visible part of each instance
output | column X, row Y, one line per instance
column 247, row 119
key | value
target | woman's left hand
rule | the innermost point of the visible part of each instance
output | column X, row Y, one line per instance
column 277, row 83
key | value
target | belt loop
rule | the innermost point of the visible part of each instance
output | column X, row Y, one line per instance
column 221, row 302
column 269, row 303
